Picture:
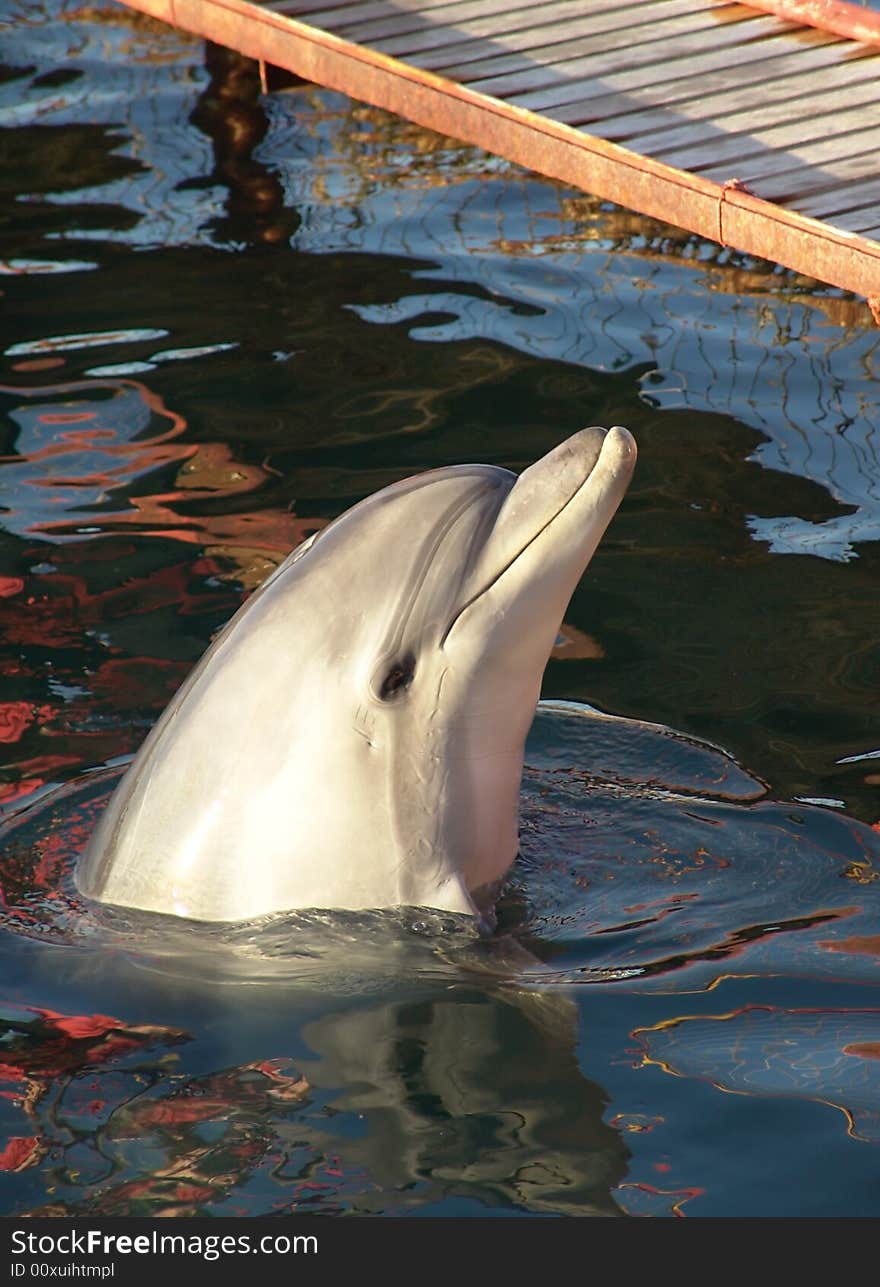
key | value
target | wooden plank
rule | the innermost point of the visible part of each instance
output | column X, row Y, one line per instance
column 556, row 40
column 755, row 121
column 854, row 221
column 851, row 212
column 737, row 86
column 785, row 176
column 568, row 71
column 753, row 66
column 713, row 112
column 306, row 9
column 433, row 49
column 334, row 16
column 857, row 221
column 736, row 148
column 366, row 22
column 651, row 71
column 559, row 20
column 862, row 197
column 456, row 19
column 333, row 10
column 593, row 164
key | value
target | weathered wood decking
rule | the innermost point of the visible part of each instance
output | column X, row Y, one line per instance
column 742, row 126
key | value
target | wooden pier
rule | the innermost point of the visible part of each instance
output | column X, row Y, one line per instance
column 754, row 126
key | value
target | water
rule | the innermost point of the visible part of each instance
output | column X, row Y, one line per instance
column 225, row 325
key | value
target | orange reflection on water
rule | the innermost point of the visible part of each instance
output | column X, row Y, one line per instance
column 858, row 945
column 648, row 1200
column 84, row 451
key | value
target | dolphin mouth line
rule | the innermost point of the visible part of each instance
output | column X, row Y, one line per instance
column 516, row 557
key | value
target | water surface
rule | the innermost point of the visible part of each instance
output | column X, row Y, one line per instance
column 230, row 317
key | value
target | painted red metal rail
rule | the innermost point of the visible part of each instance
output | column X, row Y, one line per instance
column 734, row 125
column 843, row 19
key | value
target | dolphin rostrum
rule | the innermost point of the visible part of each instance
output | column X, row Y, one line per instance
column 354, row 736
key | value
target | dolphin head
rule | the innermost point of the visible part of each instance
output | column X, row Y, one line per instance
column 354, row 737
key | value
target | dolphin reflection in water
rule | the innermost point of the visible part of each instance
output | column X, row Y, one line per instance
column 354, row 737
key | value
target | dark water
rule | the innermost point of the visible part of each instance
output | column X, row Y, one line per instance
column 226, row 319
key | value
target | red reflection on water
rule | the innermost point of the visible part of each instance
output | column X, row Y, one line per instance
column 51, row 1044
column 131, row 435
column 243, row 1103
column 21, row 1152
column 36, row 773
column 135, row 682
column 198, row 1169
column 69, row 418
column 90, row 723
column 88, row 456
column 14, row 719
column 44, row 1051
column 40, row 868
column 41, row 1045
column 858, row 945
column 38, row 364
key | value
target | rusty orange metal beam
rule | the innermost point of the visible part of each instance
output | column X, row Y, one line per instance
column 725, row 213
column 836, row 16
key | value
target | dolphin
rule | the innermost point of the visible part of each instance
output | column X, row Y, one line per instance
column 354, row 736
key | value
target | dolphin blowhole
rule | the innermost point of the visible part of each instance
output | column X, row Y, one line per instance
column 354, row 736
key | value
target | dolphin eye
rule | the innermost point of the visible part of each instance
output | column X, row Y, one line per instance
column 398, row 678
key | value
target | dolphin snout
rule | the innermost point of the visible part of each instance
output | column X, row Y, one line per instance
column 546, row 487
column 575, row 459
column 559, row 474
column 620, row 447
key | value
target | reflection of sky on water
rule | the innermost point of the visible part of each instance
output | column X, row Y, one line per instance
column 76, row 443
column 138, row 95
column 829, row 1056
column 87, row 454
column 558, row 281
column 784, row 370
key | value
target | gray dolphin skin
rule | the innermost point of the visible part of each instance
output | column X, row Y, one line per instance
column 354, row 737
